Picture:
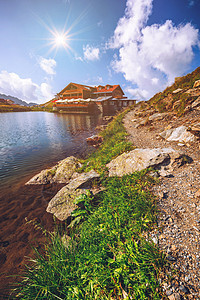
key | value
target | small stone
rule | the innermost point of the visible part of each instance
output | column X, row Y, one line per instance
column 171, row 258
column 183, row 289
column 162, row 236
column 155, row 240
column 171, row 297
column 173, row 247
column 168, row 292
column 174, row 296
column 197, row 194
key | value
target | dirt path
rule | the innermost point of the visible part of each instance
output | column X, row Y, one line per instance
column 179, row 204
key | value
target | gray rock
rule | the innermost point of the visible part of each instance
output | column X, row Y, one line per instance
column 137, row 160
column 60, row 173
column 179, row 134
column 62, row 204
column 184, row 289
column 158, row 116
column 83, row 180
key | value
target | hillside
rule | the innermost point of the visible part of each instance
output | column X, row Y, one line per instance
column 17, row 100
column 171, row 120
column 7, row 105
column 180, row 95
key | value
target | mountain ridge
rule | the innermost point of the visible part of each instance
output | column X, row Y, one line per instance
column 17, row 100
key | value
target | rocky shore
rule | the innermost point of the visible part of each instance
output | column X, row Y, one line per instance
column 164, row 141
column 166, row 144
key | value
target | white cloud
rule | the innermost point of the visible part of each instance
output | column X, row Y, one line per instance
column 25, row 89
column 151, row 56
column 91, row 53
column 48, row 65
column 79, row 58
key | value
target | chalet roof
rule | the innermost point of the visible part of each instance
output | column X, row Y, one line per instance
column 82, row 86
column 108, row 88
column 97, row 89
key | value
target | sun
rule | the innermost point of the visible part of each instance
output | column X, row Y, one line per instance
column 60, row 40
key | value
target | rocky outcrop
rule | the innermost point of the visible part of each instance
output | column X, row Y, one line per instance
column 177, row 91
column 193, row 92
column 196, row 103
column 139, row 159
column 196, row 84
column 179, row 134
column 62, row 204
column 60, row 173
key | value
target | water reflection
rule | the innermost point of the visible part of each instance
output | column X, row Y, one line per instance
column 31, row 140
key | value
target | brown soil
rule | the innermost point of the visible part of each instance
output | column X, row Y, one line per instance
column 179, row 217
column 16, row 236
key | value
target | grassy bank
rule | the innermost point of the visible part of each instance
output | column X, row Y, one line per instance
column 114, row 143
column 108, row 254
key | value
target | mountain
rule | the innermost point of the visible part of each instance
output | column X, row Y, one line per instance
column 17, row 101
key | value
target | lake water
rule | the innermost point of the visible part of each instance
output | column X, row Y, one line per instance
column 31, row 141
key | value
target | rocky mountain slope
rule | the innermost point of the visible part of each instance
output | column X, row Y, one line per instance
column 172, row 119
column 17, row 100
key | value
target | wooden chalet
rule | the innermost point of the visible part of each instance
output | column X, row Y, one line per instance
column 75, row 91
column 79, row 98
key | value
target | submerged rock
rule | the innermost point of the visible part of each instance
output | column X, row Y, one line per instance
column 60, row 173
column 94, row 140
column 137, row 160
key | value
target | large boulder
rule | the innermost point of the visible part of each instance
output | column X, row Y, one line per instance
column 137, row 160
column 158, row 116
column 83, row 180
column 179, row 134
column 60, row 173
column 62, row 204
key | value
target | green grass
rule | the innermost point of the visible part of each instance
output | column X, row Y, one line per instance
column 108, row 256
column 114, row 143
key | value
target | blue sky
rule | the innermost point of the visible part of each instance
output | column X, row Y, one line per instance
column 140, row 44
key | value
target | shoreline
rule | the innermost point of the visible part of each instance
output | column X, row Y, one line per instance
column 136, row 137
